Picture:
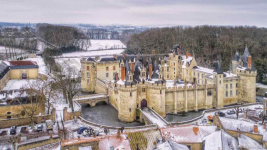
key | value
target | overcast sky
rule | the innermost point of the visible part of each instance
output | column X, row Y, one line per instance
column 137, row 12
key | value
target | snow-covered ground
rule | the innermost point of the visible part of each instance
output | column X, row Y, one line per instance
column 40, row 61
column 106, row 44
column 17, row 84
column 154, row 119
column 93, row 53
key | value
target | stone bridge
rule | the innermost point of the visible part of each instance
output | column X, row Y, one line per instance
column 91, row 99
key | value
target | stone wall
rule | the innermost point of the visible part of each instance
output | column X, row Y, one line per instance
column 6, row 123
column 31, row 73
column 76, row 143
column 38, row 142
column 71, row 115
column 156, row 98
column 17, row 109
column 248, row 86
column 101, row 87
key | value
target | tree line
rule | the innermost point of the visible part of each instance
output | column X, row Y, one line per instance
column 207, row 43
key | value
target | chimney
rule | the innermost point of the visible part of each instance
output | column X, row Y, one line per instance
column 115, row 56
column 124, row 55
column 264, row 126
column 150, row 70
column 117, row 77
column 195, row 130
column 122, row 73
column 255, row 129
column 187, row 54
column 118, row 133
column 249, row 61
column 132, row 67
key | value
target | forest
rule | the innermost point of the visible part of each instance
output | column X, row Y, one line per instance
column 207, row 43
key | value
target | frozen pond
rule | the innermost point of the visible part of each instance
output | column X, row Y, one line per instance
column 180, row 117
column 104, row 114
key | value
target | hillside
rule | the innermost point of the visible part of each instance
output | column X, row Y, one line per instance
column 207, row 43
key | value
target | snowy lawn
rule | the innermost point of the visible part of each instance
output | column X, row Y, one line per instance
column 106, row 44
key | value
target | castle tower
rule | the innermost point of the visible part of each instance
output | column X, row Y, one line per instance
column 247, row 79
column 218, row 77
column 127, row 95
column 235, row 62
column 88, row 80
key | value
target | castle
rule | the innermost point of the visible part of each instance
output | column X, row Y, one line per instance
column 168, row 84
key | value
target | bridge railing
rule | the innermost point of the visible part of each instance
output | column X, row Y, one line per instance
column 154, row 112
column 152, row 126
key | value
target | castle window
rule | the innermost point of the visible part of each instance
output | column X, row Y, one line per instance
column 168, row 76
column 236, row 84
column 130, row 77
column 220, row 82
column 88, row 67
column 160, row 92
column 197, row 74
column 143, row 74
column 174, row 69
column 167, row 68
column 143, row 90
column 231, row 86
column 88, row 75
column 162, row 69
column 130, row 109
column 107, row 75
column 231, row 94
column 202, row 75
column 174, row 64
column 209, row 93
column 106, row 68
column 226, row 86
column 137, row 105
column 130, row 93
column 114, row 67
column 88, row 81
column 173, row 72
column 194, row 73
column 226, row 93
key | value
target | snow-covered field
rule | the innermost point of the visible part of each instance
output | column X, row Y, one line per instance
column 106, row 44
column 93, row 53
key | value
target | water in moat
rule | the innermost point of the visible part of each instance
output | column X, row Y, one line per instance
column 183, row 117
column 104, row 114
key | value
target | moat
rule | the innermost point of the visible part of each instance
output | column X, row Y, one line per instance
column 105, row 114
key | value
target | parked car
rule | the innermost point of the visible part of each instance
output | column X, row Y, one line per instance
column 219, row 113
column 230, row 112
column 13, row 130
column 49, row 125
column 81, row 129
column 96, row 132
column 40, row 127
column 210, row 117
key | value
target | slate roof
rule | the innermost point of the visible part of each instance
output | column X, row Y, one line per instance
column 218, row 68
column 3, row 70
column 236, row 57
column 108, row 59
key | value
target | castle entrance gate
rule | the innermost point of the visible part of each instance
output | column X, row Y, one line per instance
column 143, row 103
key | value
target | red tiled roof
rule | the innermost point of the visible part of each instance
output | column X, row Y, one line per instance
column 188, row 134
column 22, row 63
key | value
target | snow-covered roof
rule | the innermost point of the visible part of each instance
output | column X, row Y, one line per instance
column 244, row 126
column 220, row 140
column 170, row 84
column 40, row 62
column 169, row 145
column 188, row 134
column 186, row 60
column 248, row 143
column 17, row 84
column 203, row 69
column 117, row 143
column 229, row 74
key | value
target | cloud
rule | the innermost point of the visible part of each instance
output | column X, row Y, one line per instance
column 137, row 12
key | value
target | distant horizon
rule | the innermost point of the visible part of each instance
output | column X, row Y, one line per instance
column 147, row 26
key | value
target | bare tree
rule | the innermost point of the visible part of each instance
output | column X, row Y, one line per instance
column 68, row 79
column 237, row 112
